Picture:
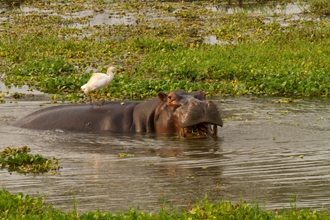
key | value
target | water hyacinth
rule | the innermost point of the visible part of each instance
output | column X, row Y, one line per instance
column 19, row 159
column 17, row 205
column 162, row 46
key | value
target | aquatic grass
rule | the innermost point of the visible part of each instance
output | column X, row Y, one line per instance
column 19, row 159
column 18, row 205
column 244, row 210
column 12, row 3
column 320, row 7
column 139, row 89
column 281, row 71
column 256, row 54
column 46, row 74
column 285, row 66
column 13, row 206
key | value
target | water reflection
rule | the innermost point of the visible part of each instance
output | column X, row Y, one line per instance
column 154, row 171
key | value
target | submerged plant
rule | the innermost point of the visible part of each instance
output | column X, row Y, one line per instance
column 19, row 159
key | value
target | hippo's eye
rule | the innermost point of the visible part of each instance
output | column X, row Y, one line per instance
column 169, row 97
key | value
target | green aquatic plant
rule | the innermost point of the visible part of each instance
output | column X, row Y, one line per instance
column 12, row 3
column 244, row 210
column 255, row 54
column 17, row 95
column 2, row 98
column 46, row 74
column 19, row 159
column 320, row 7
column 14, row 206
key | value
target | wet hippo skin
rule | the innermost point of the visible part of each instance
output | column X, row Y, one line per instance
column 177, row 113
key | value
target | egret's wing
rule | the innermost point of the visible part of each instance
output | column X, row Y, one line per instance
column 97, row 81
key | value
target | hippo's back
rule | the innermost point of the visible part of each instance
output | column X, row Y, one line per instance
column 112, row 116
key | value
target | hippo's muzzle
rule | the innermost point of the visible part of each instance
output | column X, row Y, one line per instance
column 198, row 116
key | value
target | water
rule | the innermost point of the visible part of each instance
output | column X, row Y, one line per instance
column 267, row 151
column 23, row 89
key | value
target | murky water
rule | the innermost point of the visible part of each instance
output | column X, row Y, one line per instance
column 267, row 151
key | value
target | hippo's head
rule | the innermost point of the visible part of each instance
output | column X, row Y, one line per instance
column 192, row 113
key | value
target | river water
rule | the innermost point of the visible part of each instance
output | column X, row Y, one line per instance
column 269, row 150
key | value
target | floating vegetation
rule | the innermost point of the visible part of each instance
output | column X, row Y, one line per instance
column 12, row 3
column 161, row 46
column 286, row 100
column 321, row 7
column 14, row 206
column 19, row 160
column 17, row 95
column 2, row 98
column 122, row 155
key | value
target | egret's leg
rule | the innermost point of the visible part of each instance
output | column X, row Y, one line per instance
column 97, row 96
column 101, row 102
column 90, row 99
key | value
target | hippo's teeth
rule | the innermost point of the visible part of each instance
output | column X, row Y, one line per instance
column 215, row 130
column 182, row 133
column 203, row 129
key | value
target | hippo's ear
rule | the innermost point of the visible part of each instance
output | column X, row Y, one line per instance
column 162, row 96
column 200, row 95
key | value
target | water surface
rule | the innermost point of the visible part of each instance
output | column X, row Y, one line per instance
column 268, row 151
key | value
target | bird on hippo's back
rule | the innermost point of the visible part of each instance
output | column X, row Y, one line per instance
column 97, row 82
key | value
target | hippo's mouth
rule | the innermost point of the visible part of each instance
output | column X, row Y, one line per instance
column 197, row 118
column 199, row 130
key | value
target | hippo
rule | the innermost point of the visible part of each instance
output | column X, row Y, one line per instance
column 177, row 113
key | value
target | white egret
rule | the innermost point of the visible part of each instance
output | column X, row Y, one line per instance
column 97, row 82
